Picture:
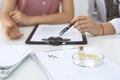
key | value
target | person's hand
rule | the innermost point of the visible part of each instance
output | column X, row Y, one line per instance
column 19, row 18
column 86, row 24
column 11, row 30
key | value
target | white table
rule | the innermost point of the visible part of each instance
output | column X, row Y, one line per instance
column 30, row 70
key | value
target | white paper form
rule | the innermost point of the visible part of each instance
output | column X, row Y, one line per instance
column 11, row 55
column 46, row 31
column 61, row 67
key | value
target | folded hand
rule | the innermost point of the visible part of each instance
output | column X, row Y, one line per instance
column 20, row 18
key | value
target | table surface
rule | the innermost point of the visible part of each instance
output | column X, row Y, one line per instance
column 30, row 70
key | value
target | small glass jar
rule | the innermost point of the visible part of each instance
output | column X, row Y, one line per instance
column 87, row 57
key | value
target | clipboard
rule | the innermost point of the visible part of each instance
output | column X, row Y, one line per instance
column 33, row 37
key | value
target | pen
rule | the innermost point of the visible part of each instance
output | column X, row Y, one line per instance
column 66, row 29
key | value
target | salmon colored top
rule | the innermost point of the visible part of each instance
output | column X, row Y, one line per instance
column 38, row 7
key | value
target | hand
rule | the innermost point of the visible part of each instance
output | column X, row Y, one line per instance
column 19, row 18
column 86, row 24
column 11, row 30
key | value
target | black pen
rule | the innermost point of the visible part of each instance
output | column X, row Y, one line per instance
column 66, row 28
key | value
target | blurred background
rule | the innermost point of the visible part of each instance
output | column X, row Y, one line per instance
column 0, row 4
column 81, row 7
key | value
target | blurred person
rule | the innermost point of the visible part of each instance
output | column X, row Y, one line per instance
column 17, row 13
column 103, row 19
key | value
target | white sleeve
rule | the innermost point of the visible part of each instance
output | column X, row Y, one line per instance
column 94, row 9
column 116, row 25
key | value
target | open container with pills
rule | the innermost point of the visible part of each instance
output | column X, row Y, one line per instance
column 88, row 57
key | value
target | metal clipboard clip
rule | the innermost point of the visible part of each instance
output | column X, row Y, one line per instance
column 55, row 41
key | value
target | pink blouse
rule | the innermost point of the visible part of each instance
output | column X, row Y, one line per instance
column 38, row 7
